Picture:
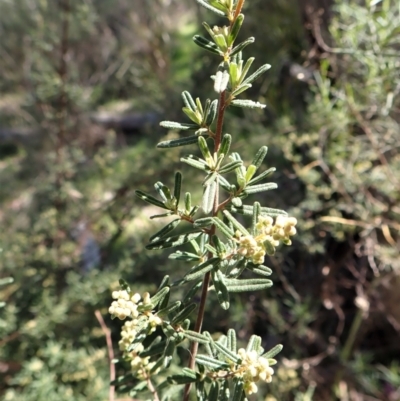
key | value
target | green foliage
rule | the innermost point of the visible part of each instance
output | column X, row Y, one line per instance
column 221, row 245
column 66, row 183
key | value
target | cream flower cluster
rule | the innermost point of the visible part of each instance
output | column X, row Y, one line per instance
column 268, row 235
column 140, row 366
column 125, row 304
column 253, row 369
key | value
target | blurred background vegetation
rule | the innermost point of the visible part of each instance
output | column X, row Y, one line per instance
column 83, row 85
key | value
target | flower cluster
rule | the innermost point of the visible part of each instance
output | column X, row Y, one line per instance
column 127, row 305
column 139, row 365
column 253, row 369
column 267, row 237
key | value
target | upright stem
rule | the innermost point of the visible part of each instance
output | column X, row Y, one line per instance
column 206, row 280
column 220, row 121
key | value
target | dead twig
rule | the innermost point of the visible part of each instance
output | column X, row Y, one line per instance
column 110, row 349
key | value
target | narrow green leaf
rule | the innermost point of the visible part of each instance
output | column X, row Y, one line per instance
column 250, row 172
column 211, row 113
column 211, row 8
column 220, row 289
column 238, row 393
column 170, row 309
column 260, row 269
column 222, row 340
column 155, row 367
column 146, row 307
column 219, row 245
column 224, row 183
column 159, row 296
column 150, row 199
column 201, row 269
column 261, row 176
column 173, row 143
column 248, row 104
column 230, row 166
column 207, row 44
column 187, row 256
column 180, row 126
column 173, row 241
column 256, row 214
column 208, row 29
column 224, row 394
column 211, row 177
column 195, row 161
column 192, row 292
column 196, row 337
column 188, row 202
column 213, row 393
column 177, row 187
column 220, row 5
column 182, row 378
column 253, row 189
column 241, row 46
column 165, row 230
column 199, row 106
column 210, row 346
column 155, row 349
column 124, row 285
column 188, row 100
column 205, row 151
column 211, row 362
column 247, row 210
column 273, row 351
column 247, row 285
column 164, row 283
column 209, row 193
column 246, row 68
column 163, row 191
column 231, row 336
column 225, row 229
column 256, row 74
column 211, row 249
column 260, row 156
column 169, row 331
column 194, row 116
column 157, row 216
column 235, row 29
column 183, row 314
column 169, row 352
column 220, row 41
column 225, row 145
column 201, row 394
column 254, row 343
column 233, row 75
column 235, row 223
column 203, row 222
column 232, row 356
column 194, row 210
column 240, row 89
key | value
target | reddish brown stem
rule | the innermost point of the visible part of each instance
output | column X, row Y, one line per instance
column 238, row 9
column 206, row 280
column 220, row 121
column 110, row 349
